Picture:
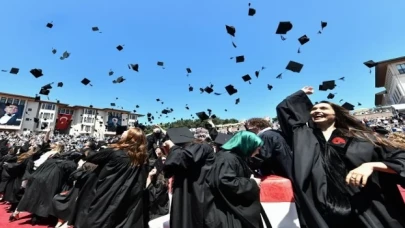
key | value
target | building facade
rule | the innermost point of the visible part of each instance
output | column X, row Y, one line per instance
column 22, row 113
column 390, row 74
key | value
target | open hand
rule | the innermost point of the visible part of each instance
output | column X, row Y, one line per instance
column 308, row 90
column 358, row 177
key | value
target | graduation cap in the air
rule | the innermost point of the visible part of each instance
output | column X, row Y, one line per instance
column 208, row 89
column 119, row 80
column 283, row 28
column 330, row 96
column 202, row 116
column 44, row 92
column 54, row 51
column 303, row 40
column 49, row 25
column 60, row 84
column 247, row 78
column 327, row 85
column 120, row 47
column 237, row 101
column 134, row 67
column 323, row 25
column 36, row 72
column 37, row 98
column 95, row 29
column 222, row 138
column 161, row 64
column 137, row 106
column 47, row 86
column 86, row 81
column 348, row 106
column 190, row 88
column 65, row 55
column 14, row 70
column 269, row 87
column 179, row 135
column 188, row 71
column 240, row 59
column 230, row 89
column 230, row 30
column 251, row 11
column 110, row 73
column 292, row 66
column 370, row 64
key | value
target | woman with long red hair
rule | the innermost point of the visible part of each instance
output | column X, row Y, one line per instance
column 117, row 197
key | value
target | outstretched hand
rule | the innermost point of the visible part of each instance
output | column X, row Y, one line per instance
column 308, row 90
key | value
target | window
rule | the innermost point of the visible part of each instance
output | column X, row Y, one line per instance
column 401, row 68
column 87, row 128
column 9, row 101
column 30, row 109
column 3, row 100
column 62, row 111
column 46, row 115
column 71, row 112
column 48, row 106
column 16, row 101
column 22, row 102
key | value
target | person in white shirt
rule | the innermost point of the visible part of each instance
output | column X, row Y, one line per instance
column 10, row 115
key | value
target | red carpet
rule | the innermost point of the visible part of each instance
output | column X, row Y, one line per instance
column 24, row 220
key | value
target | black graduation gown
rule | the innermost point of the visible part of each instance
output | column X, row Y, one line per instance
column 5, row 175
column 44, row 184
column 378, row 204
column 13, row 191
column 189, row 168
column 236, row 202
column 158, row 199
column 118, row 194
column 63, row 203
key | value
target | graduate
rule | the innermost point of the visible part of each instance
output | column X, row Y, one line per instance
column 236, row 193
column 117, row 196
column 188, row 162
column 346, row 175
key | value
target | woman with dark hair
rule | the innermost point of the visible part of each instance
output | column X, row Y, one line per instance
column 188, row 165
column 236, row 193
column 116, row 200
column 345, row 174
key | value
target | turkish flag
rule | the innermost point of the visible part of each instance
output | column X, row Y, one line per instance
column 63, row 121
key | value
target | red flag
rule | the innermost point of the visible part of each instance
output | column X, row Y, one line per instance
column 63, row 121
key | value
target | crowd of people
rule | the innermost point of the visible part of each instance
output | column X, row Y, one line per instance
column 343, row 172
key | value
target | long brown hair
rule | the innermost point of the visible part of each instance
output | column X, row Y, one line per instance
column 27, row 154
column 352, row 127
column 135, row 146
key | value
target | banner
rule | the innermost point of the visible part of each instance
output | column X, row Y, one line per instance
column 11, row 116
column 63, row 122
column 113, row 122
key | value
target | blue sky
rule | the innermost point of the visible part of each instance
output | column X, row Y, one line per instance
column 192, row 34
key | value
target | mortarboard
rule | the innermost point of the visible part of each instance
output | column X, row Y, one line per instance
column 190, row 88
column 134, row 67
column 120, row 130
column 95, row 29
column 37, row 98
column 240, row 59
column 188, row 70
column 247, row 78
column 54, row 51
column 303, row 39
column 208, row 90
column 85, row 81
column 370, row 64
column 120, row 47
column 284, row 27
column 348, row 106
column 327, row 85
column 44, row 92
column 237, row 101
column 65, row 55
column 112, row 104
column 36, row 120
column 202, row 116
column 160, row 64
column 47, row 86
column 14, row 70
column 269, row 87
column 137, row 106
column 231, row 90
column 222, row 138
column 331, row 96
column 36, row 72
column 180, row 135
column 294, row 66
column 49, row 25
column 60, row 84
column 230, row 30
column 323, row 24
column 251, row 12
column 119, row 80
column 110, row 73
column 165, row 111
